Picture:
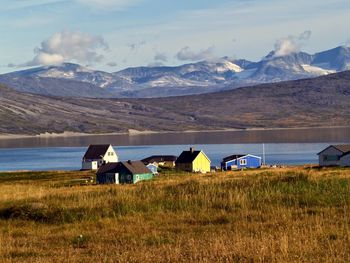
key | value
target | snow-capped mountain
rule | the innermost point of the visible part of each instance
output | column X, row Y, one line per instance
column 69, row 71
column 337, row 59
column 73, row 80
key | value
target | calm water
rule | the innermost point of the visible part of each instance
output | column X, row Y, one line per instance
column 287, row 147
column 69, row 158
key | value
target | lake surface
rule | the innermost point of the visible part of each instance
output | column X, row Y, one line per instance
column 285, row 147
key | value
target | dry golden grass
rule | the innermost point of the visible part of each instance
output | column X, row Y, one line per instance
column 281, row 215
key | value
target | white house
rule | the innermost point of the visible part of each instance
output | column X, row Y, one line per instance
column 335, row 155
column 98, row 154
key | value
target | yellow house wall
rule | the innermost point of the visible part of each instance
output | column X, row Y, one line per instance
column 201, row 164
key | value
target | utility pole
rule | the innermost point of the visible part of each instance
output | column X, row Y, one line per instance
column 264, row 154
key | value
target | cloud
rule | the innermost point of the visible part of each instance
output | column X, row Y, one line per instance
column 347, row 43
column 161, row 57
column 186, row 53
column 69, row 46
column 114, row 5
column 112, row 64
column 291, row 44
column 135, row 46
column 156, row 64
column 15, row 5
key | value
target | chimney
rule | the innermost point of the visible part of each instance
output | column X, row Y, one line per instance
column 191, row 149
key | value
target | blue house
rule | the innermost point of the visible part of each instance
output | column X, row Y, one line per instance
column 239, row 161
column 153, row 168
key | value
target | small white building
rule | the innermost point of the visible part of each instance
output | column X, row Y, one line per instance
column 335, row 155
column 98, row 154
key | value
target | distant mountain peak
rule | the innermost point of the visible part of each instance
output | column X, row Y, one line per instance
column 193, row 78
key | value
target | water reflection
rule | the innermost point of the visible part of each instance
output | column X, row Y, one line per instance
column 310, row 135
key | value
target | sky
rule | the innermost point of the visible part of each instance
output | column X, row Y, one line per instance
column 111, row 35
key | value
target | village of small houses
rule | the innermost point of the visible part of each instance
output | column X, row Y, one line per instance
column 103, row 159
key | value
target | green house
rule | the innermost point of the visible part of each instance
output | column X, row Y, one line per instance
column 129, row 172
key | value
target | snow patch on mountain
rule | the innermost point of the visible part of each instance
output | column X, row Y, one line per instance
column 170, row 81
column 228, row 66
column 317, row 70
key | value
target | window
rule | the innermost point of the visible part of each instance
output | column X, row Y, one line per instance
column 243, row 162
column 331, row 158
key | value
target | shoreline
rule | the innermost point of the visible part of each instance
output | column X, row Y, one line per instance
column 266, row 167
column 133, row 132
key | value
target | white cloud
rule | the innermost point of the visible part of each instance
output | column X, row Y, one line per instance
column 291, row 44
column 112, row 64
column 347, row 43
column 161, row 57
column 155, row 64
column 69, row 46
column 136, row 46
column 110, row 4
column 15, row 5
column 186, row 53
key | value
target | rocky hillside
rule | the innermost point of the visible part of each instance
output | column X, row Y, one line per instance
column 322, row 101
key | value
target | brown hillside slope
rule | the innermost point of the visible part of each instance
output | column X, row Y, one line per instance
column 322, row 101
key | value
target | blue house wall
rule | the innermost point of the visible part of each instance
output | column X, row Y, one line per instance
column 251, row 162
column 153, row 168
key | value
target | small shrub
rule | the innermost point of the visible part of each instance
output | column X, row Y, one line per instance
column 80, row 241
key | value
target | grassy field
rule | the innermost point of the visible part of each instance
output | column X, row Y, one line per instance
column 278, row 215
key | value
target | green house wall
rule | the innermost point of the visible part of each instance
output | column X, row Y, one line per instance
column 142, row 177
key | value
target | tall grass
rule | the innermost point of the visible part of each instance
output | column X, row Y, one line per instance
column 282, row 215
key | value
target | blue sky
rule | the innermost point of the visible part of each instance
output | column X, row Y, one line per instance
column 114, row 34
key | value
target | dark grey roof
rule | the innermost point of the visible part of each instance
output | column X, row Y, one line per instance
column 108, row 168
column 134, row 167
column 347, row 153
column 159, row 158
column 344, row 148
column 187, row 156
column 233, row 157
column 95, row 151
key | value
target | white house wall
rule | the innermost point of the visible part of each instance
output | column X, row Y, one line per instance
column 90, row 165
column 110, row 156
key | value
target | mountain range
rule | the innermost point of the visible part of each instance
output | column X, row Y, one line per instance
column 73, row 80
column 322, row 101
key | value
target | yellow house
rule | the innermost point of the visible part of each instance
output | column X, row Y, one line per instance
column 193, row 161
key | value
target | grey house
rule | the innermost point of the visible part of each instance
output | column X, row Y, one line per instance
column 129, row 172
column 335, row 155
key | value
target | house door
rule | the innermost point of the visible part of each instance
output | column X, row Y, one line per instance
column 116, row 178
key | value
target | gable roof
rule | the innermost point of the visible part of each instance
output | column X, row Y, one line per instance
column 134, row 167
column 108, row 168
column 187, row 156
column 344, row 148
column 345, row 154
column 238, row 156
column 233, row 157
column 160, row 158
column 95, row 151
